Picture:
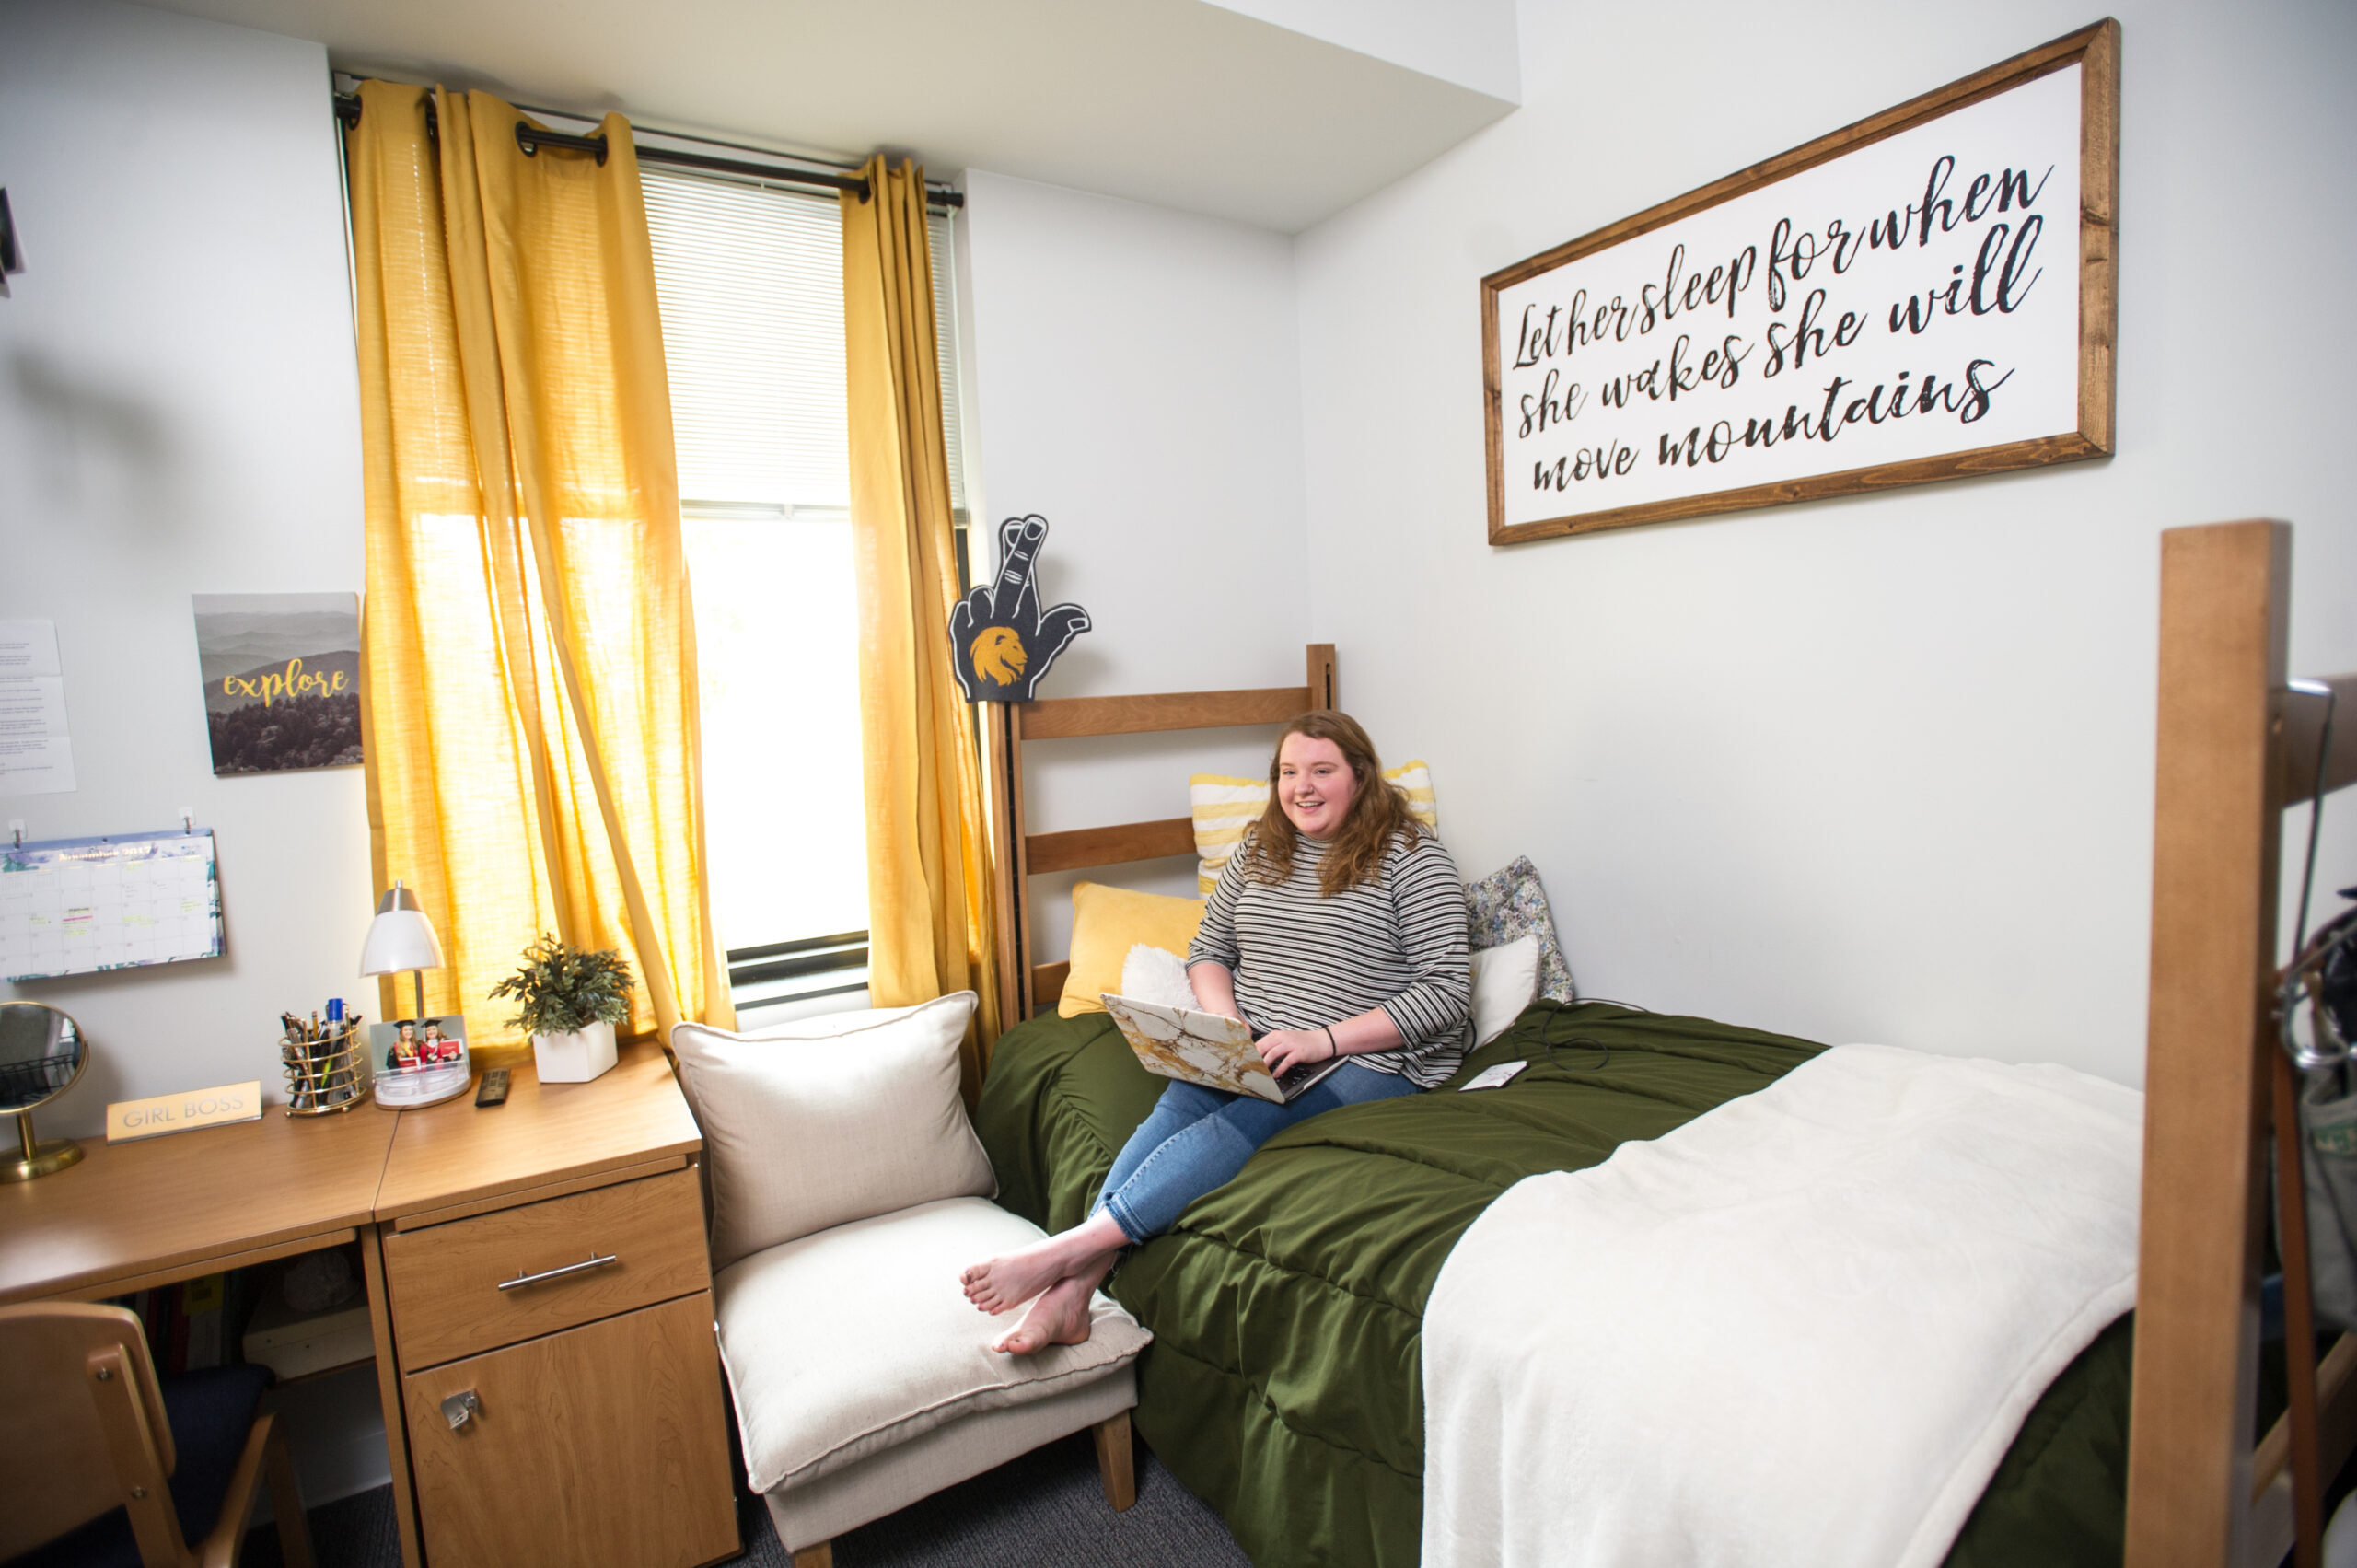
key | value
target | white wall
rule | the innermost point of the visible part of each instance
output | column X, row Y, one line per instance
column 1134, row 382
column 1470, row 42
column 178, row 414
column 1876, row 768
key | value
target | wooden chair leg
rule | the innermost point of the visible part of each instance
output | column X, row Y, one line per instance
column 220, row 1549
column 822, row 1556
column 1113, row 1461
column 287, row 1502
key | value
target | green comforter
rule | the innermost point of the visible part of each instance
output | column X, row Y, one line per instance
column 1284, row 1382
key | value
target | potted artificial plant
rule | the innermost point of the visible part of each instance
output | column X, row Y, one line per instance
column 569, row 1000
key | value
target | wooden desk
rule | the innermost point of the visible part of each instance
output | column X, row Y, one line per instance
column 601, row 1438
column 132, row 1216
column 546, row 1134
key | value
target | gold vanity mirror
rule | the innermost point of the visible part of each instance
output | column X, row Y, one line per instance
column 41, row 1052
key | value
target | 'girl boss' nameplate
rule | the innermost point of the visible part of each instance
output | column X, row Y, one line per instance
column 129, row 1119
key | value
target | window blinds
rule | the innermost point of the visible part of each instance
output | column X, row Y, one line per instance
column 750, row 279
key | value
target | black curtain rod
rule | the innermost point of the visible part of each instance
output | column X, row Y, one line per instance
column 532, row 138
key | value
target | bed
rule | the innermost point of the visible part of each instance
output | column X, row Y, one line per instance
column 1283, row 1383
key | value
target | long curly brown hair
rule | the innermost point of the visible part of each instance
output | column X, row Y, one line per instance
column 1378, row 811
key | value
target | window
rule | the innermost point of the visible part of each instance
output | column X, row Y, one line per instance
column 750, row 283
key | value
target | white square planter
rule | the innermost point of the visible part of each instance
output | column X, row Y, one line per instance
column 575, row 1058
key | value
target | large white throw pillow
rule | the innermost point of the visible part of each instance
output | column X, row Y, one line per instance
column 1506, row 979
column 825, row 1121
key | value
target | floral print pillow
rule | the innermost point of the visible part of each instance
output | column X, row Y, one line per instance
column 1510, row 904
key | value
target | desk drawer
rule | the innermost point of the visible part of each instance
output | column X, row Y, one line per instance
column 445, row 1281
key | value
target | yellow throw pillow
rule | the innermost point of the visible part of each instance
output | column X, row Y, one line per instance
column 1225, row 807
column 1106, row 923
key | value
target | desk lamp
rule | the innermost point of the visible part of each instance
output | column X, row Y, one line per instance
column 400, row 938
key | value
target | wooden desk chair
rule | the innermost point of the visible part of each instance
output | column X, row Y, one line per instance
column 93, row 1449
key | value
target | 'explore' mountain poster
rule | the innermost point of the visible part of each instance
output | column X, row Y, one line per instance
column 282, row 679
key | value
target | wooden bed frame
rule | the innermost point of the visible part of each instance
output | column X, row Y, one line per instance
column 2234, row 750
column 1031, row 984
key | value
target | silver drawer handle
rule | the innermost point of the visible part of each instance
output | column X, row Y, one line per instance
column 523, row 1279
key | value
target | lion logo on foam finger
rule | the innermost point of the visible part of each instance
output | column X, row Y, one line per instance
column 998, row 656
column 1002, row 642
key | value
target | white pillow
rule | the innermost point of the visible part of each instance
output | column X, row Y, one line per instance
column 1158, row 974
column 1506, row 979
column 825, row 1121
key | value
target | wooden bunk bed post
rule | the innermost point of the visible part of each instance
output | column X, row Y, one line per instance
column 1321, row 676
column 1017, row 853
column 1004, row 798
column 2217, row 827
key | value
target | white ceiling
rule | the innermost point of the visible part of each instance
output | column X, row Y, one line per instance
column 1182, row 103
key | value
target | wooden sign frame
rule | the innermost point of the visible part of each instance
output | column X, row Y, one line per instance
column 2096, row 49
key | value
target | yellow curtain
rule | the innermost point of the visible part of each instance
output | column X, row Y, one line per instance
column 529, row 645
column 929, row 911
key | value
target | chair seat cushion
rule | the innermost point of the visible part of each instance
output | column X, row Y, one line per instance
column 844, row 1344
column 210, row 1413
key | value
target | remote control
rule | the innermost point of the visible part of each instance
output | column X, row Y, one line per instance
column 494, row 1090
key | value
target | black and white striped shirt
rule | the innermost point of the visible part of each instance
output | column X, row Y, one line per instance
column 1302, row 960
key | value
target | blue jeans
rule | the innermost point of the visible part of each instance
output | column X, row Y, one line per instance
column 1198, row 1139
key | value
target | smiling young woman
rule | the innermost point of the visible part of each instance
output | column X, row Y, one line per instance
column 1337, row 929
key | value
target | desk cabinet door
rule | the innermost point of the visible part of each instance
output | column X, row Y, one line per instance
column 600, row 1445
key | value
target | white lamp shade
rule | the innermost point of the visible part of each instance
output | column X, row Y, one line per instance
column 400, row 939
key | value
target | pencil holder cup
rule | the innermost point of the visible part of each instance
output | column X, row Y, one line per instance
column 325, row 1076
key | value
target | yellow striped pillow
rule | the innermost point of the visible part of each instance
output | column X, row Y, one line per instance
column 1225, row 807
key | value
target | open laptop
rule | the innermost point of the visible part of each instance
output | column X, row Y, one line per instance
column 1207, row 1048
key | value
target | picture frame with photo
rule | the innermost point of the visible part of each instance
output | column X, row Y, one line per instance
column 420, row 1062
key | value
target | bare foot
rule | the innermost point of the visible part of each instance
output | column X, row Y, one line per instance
column 1059, row 1317
column 1011, row 1279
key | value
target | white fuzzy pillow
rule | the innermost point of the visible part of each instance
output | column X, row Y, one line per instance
column 1157, row 974
column 1506, row 979
column 825, row 1121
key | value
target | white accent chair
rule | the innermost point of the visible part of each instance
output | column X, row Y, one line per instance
column 848, row 1191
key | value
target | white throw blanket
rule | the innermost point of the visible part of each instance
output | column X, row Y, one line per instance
column 1800, row 1330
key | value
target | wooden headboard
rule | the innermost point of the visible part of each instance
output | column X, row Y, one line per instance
column 1021, row 855
column 2235, row 750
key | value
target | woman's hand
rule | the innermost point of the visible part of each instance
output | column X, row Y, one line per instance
column 1284, row 1049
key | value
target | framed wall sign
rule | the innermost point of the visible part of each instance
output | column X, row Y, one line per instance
column 1924, row 295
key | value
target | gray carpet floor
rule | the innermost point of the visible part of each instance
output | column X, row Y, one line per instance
column 1044, row 1510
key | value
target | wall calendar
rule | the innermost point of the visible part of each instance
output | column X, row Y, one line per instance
column 76, row 906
